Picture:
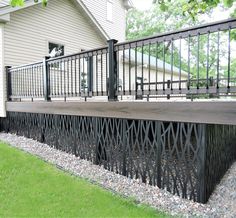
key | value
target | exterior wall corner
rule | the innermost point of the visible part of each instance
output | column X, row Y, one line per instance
column 2, row 75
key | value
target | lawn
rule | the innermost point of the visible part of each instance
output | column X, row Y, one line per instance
column 29, row 187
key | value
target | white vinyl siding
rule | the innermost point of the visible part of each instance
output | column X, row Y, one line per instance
column 2, row 74
column 31, row 29
column 116, row 28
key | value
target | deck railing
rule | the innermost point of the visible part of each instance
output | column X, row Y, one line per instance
column 194, row 61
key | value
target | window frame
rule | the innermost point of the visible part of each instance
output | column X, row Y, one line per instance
column 55, row 43
column 109, row 10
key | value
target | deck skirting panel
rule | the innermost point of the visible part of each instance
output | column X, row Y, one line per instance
column 186, row 159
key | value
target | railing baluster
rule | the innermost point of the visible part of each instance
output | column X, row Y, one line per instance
column 68, row 77
column 118, row 70
column 97, row 77
column 129, row 70
column 136, row 72
column 157, row 46
column 124, row 88
column 83, row 76
column 101, row 56
column 64, row 75
column 218, row 60
column 33, row 79
column 79, row 75
column 208, row 51
column 142, row 70
column 149, row 68
column 189, row 73
column 71, row 68
column 180, row 63
column 229, row 58
column 164, row 67
column 198, row 48
column 172, row 63
column 107, row 75
column 75, row 77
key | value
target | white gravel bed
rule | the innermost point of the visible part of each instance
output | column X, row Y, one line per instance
column 221, row 204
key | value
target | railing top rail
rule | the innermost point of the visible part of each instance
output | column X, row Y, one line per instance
column 25, row 65
column 191, row 31
column 61, row 57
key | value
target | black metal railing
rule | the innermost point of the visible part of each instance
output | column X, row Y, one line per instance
column 194, row 61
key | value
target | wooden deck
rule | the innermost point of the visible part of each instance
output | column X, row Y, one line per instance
column 194, row 112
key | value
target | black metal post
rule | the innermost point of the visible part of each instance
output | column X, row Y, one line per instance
column 112, row 85
column 8, row 82
column 124, row 147
column 201, row 164
column 46, row 83
column 90, row 75
column 159, row 150
column 168, row 87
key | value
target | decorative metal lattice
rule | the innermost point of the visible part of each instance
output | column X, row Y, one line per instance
column 186, row 159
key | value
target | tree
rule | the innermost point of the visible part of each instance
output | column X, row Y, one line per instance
column 142, row 23
column 195, row 7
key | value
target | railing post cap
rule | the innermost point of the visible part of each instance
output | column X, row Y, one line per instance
column 46, row 57
column 112, row 41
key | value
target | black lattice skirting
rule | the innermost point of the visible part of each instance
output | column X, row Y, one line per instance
column 186, row 159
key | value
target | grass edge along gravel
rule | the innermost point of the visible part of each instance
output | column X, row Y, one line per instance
column 31, row 187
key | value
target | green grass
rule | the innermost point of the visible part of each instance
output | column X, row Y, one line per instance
column 30, row 187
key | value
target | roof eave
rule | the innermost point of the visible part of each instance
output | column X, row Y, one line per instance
column 9, row 9
column 128, row 4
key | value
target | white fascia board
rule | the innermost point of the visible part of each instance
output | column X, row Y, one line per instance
column 10, row 9
column 4, row 18
column 93, row 19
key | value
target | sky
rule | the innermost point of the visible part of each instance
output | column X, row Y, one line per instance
column 142, row 4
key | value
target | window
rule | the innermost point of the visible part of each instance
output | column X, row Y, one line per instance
column 55, row 50
column 109, row 10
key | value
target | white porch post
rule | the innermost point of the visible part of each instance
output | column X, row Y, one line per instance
column 2, row 74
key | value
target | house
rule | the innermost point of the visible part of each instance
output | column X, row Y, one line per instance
column 65, row 27
column 30, row 32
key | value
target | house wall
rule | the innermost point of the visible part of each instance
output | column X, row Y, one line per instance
column 116, row 28
column 30, row 29
column 2, row 75
column 154, row 76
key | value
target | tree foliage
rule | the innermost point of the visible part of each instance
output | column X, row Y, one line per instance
column 195, row 7
column 15, row 3
column 147, row 23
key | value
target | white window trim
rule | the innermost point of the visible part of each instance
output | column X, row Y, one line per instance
column 110, row 17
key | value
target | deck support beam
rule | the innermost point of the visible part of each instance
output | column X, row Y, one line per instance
column 192, row 112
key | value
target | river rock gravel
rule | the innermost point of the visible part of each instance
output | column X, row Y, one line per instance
column 222, row 202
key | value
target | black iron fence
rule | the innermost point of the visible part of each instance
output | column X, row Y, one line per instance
column 194, row 61
column 186, row 159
